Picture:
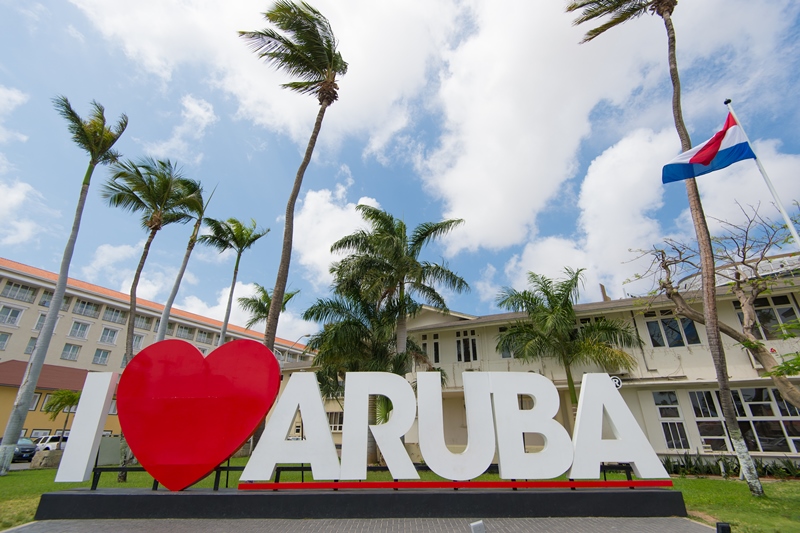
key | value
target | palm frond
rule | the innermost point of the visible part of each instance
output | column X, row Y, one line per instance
column 617, row 11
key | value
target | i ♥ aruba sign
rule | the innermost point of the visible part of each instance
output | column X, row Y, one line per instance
column 170, row 387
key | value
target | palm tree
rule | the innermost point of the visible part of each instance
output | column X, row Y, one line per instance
column 551, row 328
column 305, row 48
column 62, row 400
column 196, row 207
column 259, row 304
column 158, row 191
column 231, row 234
column 384, row 264
column 619, row 11
column 96, row 139
column 357, row 336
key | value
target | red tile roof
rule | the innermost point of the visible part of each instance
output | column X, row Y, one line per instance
column 52, row 377
column 125, row 298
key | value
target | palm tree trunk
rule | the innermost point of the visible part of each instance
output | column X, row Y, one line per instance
column 128, row 355
column 288, row 231
column 162, row 326
column 402, row 323
column 64, row 430
column 573, row 395
column 132, row 307
column 708, row 278
column 224, row 329
column 16, row 419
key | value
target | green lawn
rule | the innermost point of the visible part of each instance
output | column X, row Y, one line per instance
column 710, row 500
column 719, row 500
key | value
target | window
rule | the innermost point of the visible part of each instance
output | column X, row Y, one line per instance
column 143, row 322
column 34, row 401
column 115, row 315
column 771, row 312
column 79, row 330
column 667, row 330
column 185, row 332
column 712, row 432
column 468, row 346
column 669, row 412
column 31, row 345
column 36, row 433
column 9, row 315
column 101, row 357
column 70, row 352
column 4, row 340
column 137, row 341
column 767, row 422
column 46, row 400
column 506, row 353
column 170, row 326
column 336, row 420
column 17, row 291
column 435, row 348
column 39, row 322
column 82, row 307
column 47, row 297
column 109, row 336
column 112, row 409
column 202, row 350
column 204, row 337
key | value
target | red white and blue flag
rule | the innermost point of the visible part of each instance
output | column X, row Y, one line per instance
column 725, row 148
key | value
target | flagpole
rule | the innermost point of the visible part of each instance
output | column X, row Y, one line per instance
column 778, row 202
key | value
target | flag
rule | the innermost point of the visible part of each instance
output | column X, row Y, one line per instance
column 728, row 146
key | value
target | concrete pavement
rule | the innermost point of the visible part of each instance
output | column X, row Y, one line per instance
column 426, row 525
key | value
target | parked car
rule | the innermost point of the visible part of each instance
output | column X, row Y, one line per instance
column 25, row 449
column 50, row 442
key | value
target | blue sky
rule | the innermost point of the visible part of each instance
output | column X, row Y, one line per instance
column 549, row 150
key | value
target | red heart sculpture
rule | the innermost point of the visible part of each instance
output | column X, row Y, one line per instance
column 183, row 414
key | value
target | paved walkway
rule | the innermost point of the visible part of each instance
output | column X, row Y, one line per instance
column 421, row 525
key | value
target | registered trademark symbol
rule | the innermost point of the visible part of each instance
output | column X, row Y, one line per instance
column 617, row 381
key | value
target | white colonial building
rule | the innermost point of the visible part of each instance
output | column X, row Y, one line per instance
column 673, row 390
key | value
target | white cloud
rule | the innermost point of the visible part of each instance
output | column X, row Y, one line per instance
column 390, row 57
column 493, row 106
column 197, row 115
column 115, row 265
column 324, row 217
column 216, row 309
column 75, row 34
column 619, row 199
column 106, row 258
column 10, row 99
column 20, row 208
column 486, row 286
column 5, row 164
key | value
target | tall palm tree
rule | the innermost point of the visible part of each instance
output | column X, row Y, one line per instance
column 305, row 48
column 616, row 12
column 62, row 400
column 384, row 264
column 231, row 234
column 158, row 191
column 259, row 304
column 551, row 328
column 196, row 208
column 96, row 139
